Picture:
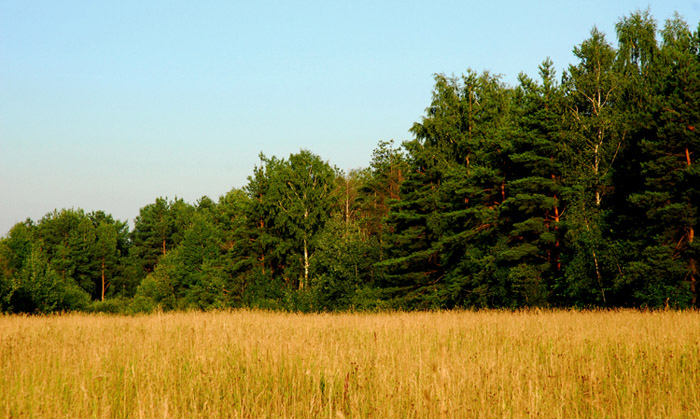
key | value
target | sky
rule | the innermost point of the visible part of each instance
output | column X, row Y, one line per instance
column 107, row 105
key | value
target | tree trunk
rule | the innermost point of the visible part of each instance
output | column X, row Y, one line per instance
column 692, row 264
column 693, row 271
column 104, row 283
column 556, row 228
column 347, row 204
column 306, row 265
column 596, row 166
column 262, row 251
column 598, row 276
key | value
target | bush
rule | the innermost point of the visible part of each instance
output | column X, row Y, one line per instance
column 118, row 305
column 141, row 304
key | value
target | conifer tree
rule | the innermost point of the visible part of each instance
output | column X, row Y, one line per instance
column 158, row 229
column 444, row 222
column 380, row 188
column 530, row 217
column 666, row 271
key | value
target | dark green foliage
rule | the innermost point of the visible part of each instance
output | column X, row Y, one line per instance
column 39, row 289
column 595, row 130
column 530, row 217
column 158, row 229
column 343, row 263
column 194, row 274
column 60, row 263
column 290, row 204
column 663, row 207
column 117, row 305
column 444, row 222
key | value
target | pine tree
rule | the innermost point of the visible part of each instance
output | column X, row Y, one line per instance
column 158, row 228
column 106, row 254
column 667, row 270
column 380, row 188
column 444, row 222
column 530, row 217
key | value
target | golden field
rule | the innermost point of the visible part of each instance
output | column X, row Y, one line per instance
column 438, row 364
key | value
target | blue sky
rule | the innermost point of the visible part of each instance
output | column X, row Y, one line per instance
column 107, row 105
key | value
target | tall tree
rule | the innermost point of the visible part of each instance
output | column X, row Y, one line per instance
column 110, row 257
column 597, row 129
column 596, row 132
column 380, row 187
column 158, row 228
column 530, row 216
column 443, row 223
column 59, row 240
column 243, row 250
column 291, row 205
column 106, row 254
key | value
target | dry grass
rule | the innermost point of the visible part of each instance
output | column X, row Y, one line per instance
column 260, row 364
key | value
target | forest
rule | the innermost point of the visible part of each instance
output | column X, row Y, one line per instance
column 572, row 190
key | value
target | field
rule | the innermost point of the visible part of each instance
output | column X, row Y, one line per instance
column 439, row 364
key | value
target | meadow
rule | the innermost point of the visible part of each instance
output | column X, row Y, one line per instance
column 434, row 364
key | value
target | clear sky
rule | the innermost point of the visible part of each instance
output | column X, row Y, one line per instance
column 107, row 105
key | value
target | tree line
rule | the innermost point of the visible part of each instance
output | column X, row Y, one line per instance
column 572, row 191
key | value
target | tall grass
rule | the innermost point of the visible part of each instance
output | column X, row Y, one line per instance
column 442, row 364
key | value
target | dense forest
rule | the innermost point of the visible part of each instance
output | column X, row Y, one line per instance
column 573, row 191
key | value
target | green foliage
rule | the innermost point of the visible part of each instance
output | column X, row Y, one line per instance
column 118, row 305
column 530, row 216
column 158, row 229
column 39, row 289
column 343, row 263
column 662, row 264
column 290, row 204
column 51, row 266
column 448, row 200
